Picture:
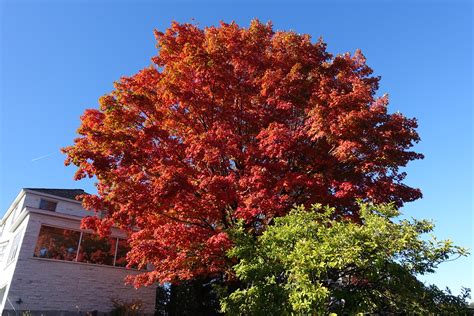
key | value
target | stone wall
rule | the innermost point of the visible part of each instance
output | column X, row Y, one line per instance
column 53, row 285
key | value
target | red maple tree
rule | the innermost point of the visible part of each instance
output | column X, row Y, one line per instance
column 235, row 123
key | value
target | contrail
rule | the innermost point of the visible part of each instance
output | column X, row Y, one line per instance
column 42, row 157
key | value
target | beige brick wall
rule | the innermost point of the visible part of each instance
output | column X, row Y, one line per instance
column 44, row 284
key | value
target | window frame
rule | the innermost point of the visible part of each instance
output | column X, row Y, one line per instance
column 55, row 227
column 81, row 237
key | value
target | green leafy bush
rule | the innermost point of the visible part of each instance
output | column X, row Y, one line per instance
column 314, row 262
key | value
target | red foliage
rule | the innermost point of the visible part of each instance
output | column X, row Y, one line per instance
column 231, row 123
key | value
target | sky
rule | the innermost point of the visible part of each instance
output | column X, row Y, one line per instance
column 57, row 58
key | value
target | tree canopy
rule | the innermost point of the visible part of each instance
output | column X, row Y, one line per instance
column 309, row 263
column 232, row 123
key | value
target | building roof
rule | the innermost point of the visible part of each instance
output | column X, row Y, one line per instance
column 64, row 193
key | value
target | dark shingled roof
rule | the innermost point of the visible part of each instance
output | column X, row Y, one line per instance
column 64, row 193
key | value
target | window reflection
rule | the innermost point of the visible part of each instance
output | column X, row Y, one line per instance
column 63, row 244
column 122, row 250
column 96, row 250
column 57, row 243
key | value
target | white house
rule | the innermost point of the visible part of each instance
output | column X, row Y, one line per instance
column 49, row 266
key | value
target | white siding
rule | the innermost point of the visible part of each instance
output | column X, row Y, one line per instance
column 64, row 206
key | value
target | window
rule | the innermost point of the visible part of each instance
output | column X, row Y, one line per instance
column 14, row 249
column 70, row 245
column 57, row 243
column 122, row 250
column 48, row 205
column 97, row 250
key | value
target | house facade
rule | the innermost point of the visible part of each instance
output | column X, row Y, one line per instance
column 49, row 266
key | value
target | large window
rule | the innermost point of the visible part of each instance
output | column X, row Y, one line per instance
column 70, row 245
column 57, row 243
column 122, row 250
column 97, row 250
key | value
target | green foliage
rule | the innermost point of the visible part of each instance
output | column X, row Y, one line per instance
column 313, row 262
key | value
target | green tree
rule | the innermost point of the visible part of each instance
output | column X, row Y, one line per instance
column 314, row 262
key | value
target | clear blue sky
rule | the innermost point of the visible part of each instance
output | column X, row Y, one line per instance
column 57, row 59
